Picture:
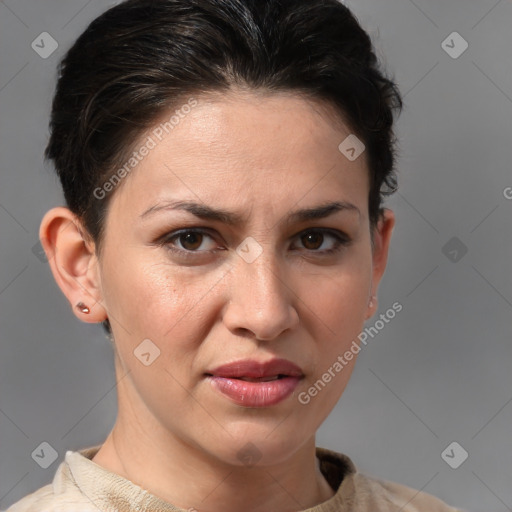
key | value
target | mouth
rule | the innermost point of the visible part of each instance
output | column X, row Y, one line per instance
column 271, row 378
column 252, row 384
column 255, row 371
column 262, row 379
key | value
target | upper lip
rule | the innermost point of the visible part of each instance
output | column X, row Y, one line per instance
column 254, row 369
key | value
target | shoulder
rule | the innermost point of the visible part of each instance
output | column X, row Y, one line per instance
column 62, row 495
column 45, row 500
column 366, row 493
column 396, row 496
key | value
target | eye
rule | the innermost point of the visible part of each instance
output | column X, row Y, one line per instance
column 189, row 240
column 313, row 239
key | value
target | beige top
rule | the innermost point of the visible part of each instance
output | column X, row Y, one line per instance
column 81, row 485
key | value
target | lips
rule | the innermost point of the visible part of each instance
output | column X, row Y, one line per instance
column 251, row 370
column 252, row 384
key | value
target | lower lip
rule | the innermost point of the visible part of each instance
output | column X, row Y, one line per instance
column 255, row 394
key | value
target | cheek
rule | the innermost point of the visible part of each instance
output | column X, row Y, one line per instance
column 339, row 307
column 338, row 303
column 153, row 310
column 339, row 294
column 172, row 306
column 147, row 294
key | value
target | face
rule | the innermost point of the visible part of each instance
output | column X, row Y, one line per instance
column 196, row 291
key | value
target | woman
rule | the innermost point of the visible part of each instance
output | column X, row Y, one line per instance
column 224, row 164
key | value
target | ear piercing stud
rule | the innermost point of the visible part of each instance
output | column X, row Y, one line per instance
column 83, row 308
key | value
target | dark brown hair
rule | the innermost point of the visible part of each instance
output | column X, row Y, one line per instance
column 143, row 58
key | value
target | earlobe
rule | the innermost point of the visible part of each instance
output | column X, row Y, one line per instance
column 372, row 306
column 73, row 263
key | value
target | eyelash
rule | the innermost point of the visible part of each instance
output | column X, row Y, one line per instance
column 341, row 241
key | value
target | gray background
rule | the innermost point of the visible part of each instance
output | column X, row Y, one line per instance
column 437, row 373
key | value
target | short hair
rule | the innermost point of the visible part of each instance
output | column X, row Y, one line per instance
column 141, row 58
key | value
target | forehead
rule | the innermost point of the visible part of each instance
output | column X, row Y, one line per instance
column 271, row 147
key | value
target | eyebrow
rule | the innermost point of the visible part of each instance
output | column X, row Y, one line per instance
column 231, row 218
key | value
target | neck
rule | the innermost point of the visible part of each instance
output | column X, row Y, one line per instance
column 186, row 477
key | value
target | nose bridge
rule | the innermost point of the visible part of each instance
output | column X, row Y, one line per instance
column 264, row 274
column 260, row 299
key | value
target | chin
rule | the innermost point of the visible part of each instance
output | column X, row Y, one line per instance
column 260, row 446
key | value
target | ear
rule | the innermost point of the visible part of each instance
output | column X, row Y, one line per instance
column 381, row 239
column 73, row 262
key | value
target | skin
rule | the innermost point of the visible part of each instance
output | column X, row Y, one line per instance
column 262, row 156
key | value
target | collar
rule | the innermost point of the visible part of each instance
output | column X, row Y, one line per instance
column 110, row 491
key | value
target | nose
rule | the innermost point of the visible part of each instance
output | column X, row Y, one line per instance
column 261, row 301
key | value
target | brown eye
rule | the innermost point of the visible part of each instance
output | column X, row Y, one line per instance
column 191, row 241
column 312, row 241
